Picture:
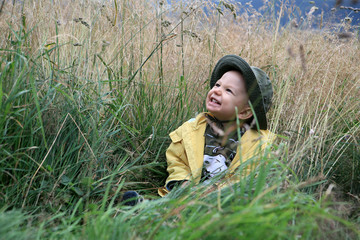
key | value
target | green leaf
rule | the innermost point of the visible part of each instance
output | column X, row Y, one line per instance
column 65, row 180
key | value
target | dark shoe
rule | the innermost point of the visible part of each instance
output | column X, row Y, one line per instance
column 131, row 198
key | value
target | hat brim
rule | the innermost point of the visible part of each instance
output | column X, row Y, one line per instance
column 234, row 62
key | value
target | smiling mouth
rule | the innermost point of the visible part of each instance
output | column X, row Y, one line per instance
column 213, row 100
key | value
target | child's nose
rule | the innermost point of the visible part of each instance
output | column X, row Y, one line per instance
column 217, row 91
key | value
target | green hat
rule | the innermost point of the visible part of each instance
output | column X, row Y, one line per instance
column 258, row 85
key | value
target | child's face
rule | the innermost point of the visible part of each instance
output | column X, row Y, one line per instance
column 228, row 92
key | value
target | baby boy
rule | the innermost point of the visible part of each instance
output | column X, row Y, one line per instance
column 232, row 131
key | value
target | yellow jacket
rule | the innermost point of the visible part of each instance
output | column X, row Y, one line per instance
column 185, row 155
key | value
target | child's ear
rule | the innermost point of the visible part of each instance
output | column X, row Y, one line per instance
column 246, row 113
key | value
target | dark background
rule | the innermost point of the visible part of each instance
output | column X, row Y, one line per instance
column 331, row 10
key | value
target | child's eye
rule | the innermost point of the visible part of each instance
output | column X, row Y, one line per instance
column 217, row 85
column 229, row 90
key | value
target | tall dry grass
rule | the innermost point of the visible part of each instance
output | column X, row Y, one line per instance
column 90, row 90
column 147, row 64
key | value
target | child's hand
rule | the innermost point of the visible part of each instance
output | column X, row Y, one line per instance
column 184, row 184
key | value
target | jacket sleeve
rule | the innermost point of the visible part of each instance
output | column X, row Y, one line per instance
column 178, row 164
column 252, row 149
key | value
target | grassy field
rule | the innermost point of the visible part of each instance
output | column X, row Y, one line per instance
column 90, row 91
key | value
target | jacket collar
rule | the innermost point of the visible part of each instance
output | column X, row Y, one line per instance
column 199, row 120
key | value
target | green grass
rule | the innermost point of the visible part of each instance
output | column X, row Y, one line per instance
column 250, row 209
column 86, row 107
